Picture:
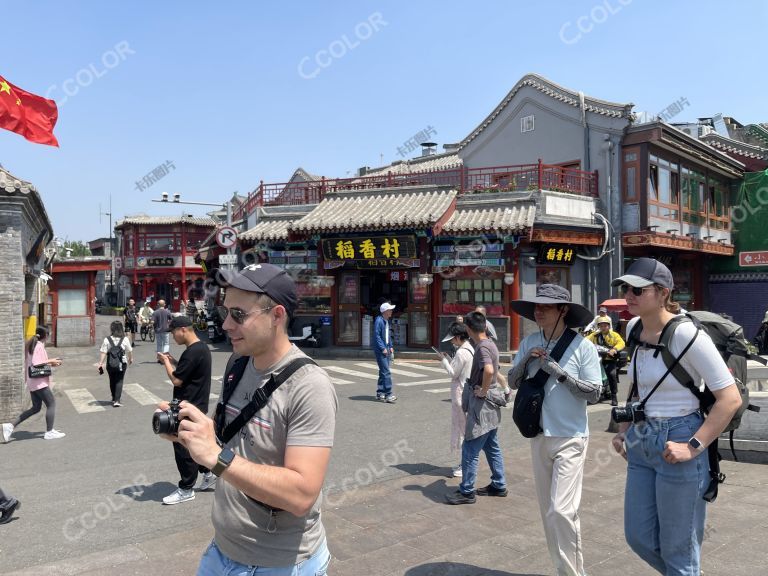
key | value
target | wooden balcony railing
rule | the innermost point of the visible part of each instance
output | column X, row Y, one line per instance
column 515, row 178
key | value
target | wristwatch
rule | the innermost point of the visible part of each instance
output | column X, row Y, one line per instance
column 696, row 444
column 225, row 459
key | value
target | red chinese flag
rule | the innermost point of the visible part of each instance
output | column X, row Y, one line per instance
column 27, row 114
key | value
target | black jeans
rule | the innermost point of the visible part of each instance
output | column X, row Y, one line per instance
column 187, row 467
column 40, row 397
column 612, row 372
column 116, row 383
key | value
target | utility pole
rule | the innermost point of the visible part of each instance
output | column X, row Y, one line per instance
column 111, row 251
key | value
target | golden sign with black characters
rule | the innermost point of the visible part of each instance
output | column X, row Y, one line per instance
column 369, row 248
column 556, row 254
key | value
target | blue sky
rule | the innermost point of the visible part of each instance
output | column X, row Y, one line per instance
column 237, row 92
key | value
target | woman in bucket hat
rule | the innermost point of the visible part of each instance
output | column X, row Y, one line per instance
column 668, row 469
column 559, row 452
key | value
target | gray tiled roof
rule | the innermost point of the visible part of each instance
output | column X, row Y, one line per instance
column 267, row 230
column 734, row 146
column 144, row 219
column 11, row 184
column 444, row 161
column 384, row 209
column 502, row 221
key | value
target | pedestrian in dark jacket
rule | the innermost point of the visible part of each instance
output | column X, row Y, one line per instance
column 761, row 338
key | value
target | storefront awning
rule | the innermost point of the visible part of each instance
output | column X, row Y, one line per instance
column 502, row 221
column 380, row 210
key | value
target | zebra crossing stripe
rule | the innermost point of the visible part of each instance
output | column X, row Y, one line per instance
column 83, row 401
column 438, row 390
column 349, row 372
column 419, row 367
column 421, row 382
column 141, row 394
column 373, row 366
column 340, row 382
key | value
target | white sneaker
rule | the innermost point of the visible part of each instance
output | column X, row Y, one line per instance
column 456, row 472
column 209, row 481
column 178, row 496
column 53, row 435
column 7, row 431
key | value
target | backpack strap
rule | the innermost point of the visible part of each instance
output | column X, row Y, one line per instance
column 541, row 377
column 260, row 395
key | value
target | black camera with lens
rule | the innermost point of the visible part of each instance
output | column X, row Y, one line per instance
column 167, row 421
column 632, row 412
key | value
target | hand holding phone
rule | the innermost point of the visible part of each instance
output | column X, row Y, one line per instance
column 101, row 369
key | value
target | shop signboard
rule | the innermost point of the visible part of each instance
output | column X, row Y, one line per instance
column 754, row 258
column 372, row 251
column 556, row 254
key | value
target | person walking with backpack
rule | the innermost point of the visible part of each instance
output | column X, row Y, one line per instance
column 161, row 318
column 118, row 353
column 664, row 437
column 39, row 387
column 565, row 367
column 130, row 315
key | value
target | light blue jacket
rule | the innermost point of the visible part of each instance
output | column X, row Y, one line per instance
column 380, row 340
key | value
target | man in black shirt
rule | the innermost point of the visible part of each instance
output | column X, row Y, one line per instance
column 191, row 378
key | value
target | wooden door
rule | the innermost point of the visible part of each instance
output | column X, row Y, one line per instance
column 419, row 313
column 348, row 331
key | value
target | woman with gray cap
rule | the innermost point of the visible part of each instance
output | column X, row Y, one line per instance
column 458, row 368
column 666, row 438
column 559, row 450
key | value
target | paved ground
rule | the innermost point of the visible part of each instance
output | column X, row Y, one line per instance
column 91, row 499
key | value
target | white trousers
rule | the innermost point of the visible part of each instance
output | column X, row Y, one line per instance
column 558, row 469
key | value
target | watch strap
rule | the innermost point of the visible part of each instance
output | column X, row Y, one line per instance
column 225, row 459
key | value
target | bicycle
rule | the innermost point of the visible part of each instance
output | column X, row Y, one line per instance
column 147, row 330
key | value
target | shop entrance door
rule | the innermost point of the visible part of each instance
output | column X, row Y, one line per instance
column 419, row 313
column 348, row 322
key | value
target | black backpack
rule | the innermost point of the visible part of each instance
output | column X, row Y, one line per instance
column 728, row 338
column 115, row 356
column 529, row 399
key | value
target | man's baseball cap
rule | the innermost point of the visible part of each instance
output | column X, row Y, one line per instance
column 180, row 322
column 386, row 306
column 645, row 272
column 262, row 279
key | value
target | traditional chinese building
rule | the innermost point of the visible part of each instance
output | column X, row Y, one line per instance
column 157, row 257
column 25, row 231
column 482, row 223
column 677, row 195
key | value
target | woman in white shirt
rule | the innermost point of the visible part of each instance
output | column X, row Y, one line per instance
column 458, row 368
column 116, row 374
column 668, row 468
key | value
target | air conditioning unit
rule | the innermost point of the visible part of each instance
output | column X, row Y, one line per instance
column 704, row 130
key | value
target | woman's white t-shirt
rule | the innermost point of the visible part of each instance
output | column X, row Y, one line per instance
column 702, row 361
column 126, row 346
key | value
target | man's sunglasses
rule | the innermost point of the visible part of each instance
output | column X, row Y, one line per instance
column 238, row 315
column 624, row 288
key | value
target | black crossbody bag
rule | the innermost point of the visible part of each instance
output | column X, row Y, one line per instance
column 529, row 399
column 225, row 432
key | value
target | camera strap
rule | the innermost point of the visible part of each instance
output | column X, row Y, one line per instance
column 541, row 377
column 260, row 395
column 671, row 367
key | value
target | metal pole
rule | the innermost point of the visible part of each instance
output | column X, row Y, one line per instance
column 229, row 223
column 111, row 252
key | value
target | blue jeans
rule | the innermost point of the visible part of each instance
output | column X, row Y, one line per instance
column 163, row 341
column 384, row 385
column 215, row 563
column 470, row 455
column 664, row 511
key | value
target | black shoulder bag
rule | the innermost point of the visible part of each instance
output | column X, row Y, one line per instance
column 225, row 432
column 529, row 399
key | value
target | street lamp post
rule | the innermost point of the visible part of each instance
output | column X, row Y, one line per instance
column 111, row 252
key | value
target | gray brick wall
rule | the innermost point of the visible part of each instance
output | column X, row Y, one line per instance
column 12, row 293
column 74, row 331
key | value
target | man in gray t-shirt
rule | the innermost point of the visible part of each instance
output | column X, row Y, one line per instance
column 266, row 509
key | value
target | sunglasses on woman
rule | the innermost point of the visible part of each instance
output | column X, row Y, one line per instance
column 238, row 315
column 624, row 288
